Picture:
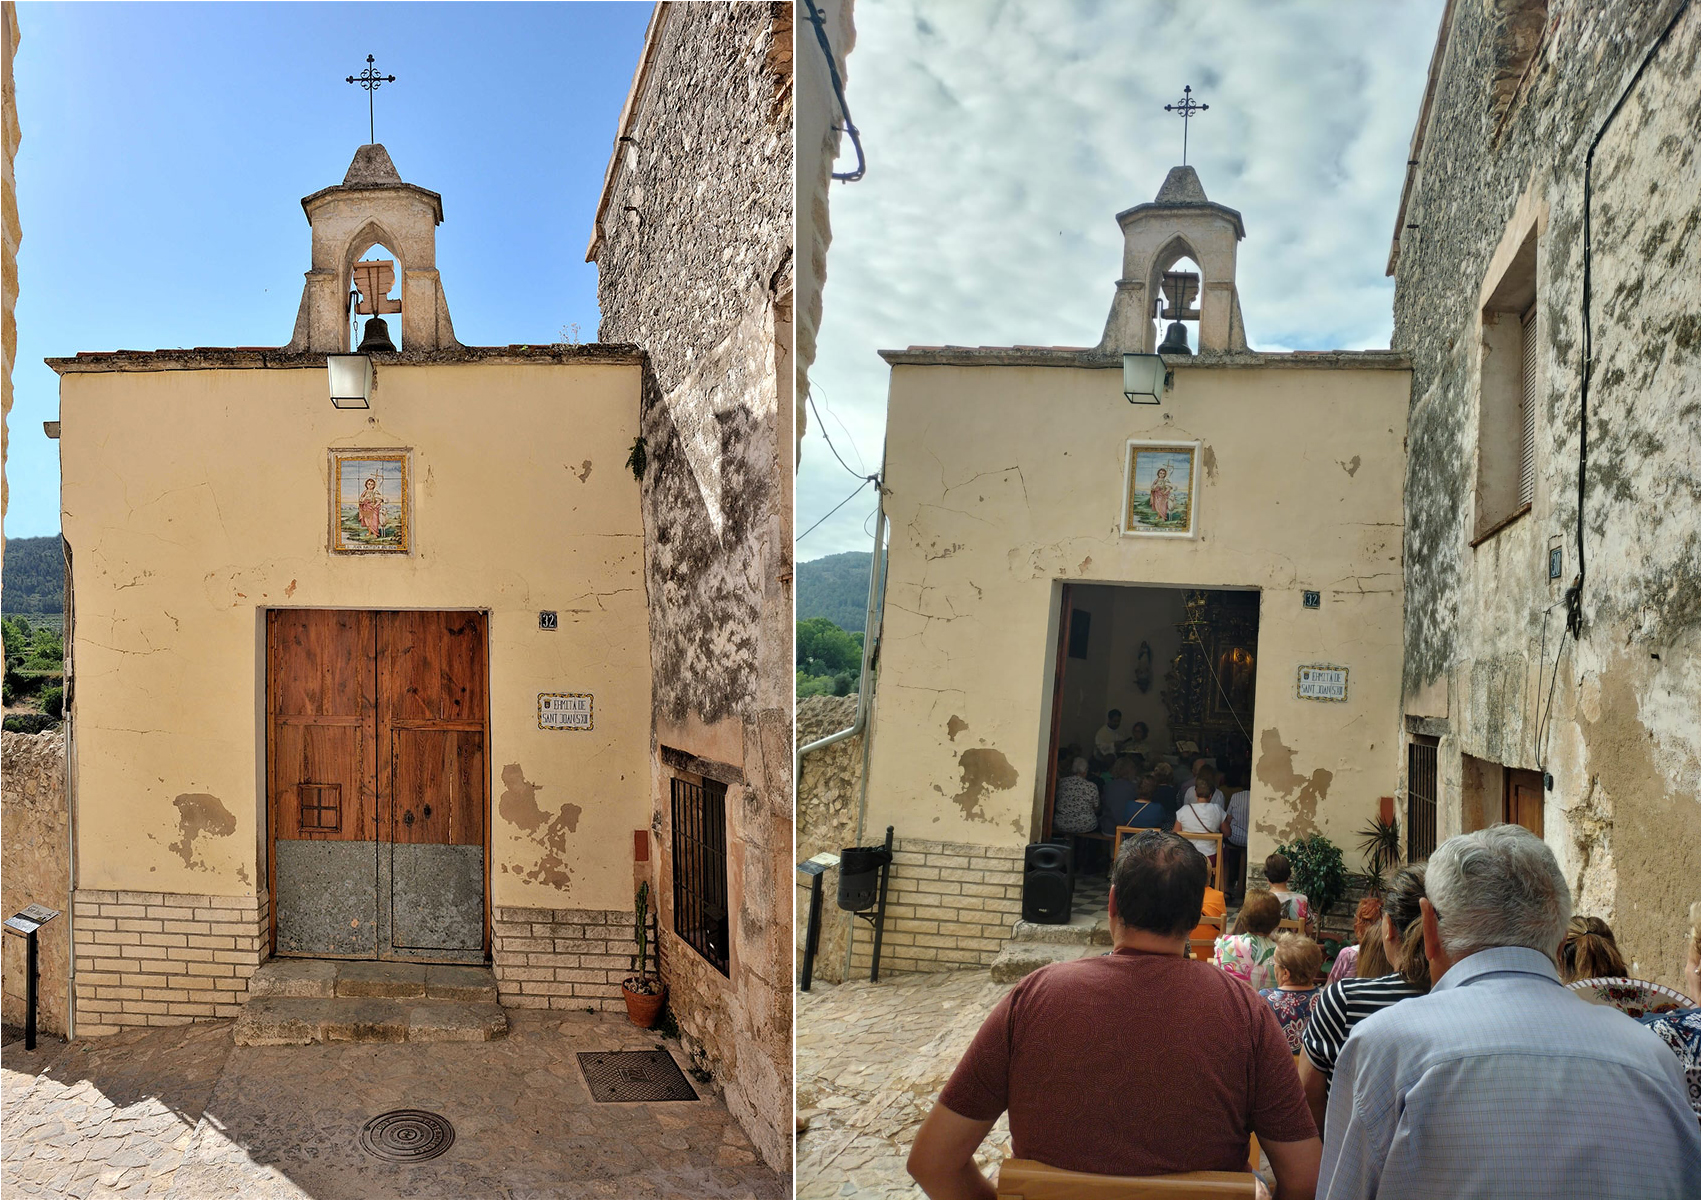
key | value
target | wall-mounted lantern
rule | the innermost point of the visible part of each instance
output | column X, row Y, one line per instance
column 351, row 380
column 1144, row 378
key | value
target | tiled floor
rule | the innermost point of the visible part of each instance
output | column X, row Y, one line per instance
column 182, row 1113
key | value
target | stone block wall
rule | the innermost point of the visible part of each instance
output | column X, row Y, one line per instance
column 950, row 906
column 35, row 868
column 561, row 958
column 693, row 248
column 1518, row 92
column 827, row 791
column 164, row 958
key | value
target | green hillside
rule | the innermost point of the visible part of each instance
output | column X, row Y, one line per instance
column 34, row 579
column 835, row 587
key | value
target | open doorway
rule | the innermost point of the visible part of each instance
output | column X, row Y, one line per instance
column 1148, row 681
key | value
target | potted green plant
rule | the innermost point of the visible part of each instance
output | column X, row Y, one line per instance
column 643, row 991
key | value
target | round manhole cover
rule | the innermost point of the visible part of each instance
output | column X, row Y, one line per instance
column 407, row 1135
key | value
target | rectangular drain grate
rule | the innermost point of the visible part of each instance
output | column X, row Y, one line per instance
column 626, row 1075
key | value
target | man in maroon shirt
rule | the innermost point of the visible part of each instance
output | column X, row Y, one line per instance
column 1139, row 1062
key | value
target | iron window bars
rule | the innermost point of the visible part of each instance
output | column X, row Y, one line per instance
column 699, row 869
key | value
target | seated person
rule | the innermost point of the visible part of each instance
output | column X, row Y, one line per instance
column 1368, row 916
column 1140, row 740
column 1589, row 952
column 1247, row 952
column 1121, row 794
column 1299, row 962
column 1199, row 816
column 1184, row 1101
column 1165, row 793
column 1109, row 739
column 1146, row 812
column 1215, row 905
column 1295, row 907
column 1680, row 1029
column 1076, row 809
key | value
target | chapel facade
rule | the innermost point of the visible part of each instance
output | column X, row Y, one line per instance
column 328, row 693
column 1218, row 560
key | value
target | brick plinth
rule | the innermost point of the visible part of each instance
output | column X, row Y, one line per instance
column 163, row 958
column 563, row 958
column 950, row 906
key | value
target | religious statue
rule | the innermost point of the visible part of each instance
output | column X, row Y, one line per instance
column 1143, row 667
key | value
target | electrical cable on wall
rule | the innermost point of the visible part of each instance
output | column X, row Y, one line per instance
column 849, row 126
column 874, row 479
column 1574, row 594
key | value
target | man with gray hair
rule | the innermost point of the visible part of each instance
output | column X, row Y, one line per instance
column 1500, row 1082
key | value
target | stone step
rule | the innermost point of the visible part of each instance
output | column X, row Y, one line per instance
column 281, row 1020
column 1020, row 959
column 1081, row 931
column 323, row 978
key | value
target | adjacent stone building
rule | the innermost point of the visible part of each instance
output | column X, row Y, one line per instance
column 1245, row 603
column 693, row 246
column 1547, row 254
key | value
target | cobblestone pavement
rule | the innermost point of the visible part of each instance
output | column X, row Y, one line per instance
column 871, row 1058
column 183, row 1114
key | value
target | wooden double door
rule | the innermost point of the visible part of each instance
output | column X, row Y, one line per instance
column 377, row 784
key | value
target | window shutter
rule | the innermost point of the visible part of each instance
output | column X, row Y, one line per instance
column 1527, row 414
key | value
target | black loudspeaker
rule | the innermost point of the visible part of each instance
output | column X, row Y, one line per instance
column 1048, row 884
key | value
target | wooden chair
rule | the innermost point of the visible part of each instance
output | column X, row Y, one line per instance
column 1025, row 1179
column 1216, row 839
column 1290, row 923
column 1130, row 830
column 1208, row 944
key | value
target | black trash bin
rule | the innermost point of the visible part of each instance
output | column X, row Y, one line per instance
column 859, row 876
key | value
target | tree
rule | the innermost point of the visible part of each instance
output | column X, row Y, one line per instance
column 825, row 649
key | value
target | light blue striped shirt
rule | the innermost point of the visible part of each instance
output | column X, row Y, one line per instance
column 1500, row 1083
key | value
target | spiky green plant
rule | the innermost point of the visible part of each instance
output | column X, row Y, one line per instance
column 1379, row 842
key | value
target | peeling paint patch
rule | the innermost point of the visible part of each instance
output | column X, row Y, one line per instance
column 1301, row 793
column 199, row 813
column 242, row 873
column 1209, row 457
column 955, row 726
column 288, row 591
column 1350, row 466
column 584, row 471
column 1085, row 563
column 519, row 807
column 983, row 770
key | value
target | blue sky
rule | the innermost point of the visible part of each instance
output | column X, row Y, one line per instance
column 166, row 148
column 1003, row 136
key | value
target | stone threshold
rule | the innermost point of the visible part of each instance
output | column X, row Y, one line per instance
column 299, row 1002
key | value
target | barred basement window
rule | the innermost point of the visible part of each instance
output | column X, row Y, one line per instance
column 699, row 869
column 1420, row 799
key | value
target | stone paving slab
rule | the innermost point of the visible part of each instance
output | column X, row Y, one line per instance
column 871, row 1059
column 391, row 980
column 185, row 1114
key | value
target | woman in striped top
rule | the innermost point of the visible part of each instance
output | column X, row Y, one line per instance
column 1346, row 1002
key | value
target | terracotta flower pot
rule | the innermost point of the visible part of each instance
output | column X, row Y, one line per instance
column 642, row 1009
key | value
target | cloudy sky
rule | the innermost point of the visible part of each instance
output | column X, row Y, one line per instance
column 1003, row 138
column 166, row 148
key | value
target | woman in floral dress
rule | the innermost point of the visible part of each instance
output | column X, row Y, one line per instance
column 1299, row 961
column 1248, row 953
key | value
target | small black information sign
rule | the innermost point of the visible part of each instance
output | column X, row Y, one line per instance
column 1311, row 599
column 546, row 620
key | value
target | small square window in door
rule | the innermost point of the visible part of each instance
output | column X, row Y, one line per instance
column 320, row 806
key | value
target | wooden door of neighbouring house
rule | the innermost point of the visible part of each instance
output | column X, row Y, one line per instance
column 377, row 783
column 1524, row 799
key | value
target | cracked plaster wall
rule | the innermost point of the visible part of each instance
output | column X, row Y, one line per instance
column 695, row 267
column 196, row 499
column 1483, row 626
column 993, row 503
column 35, row 868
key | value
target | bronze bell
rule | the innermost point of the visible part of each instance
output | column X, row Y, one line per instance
column 377, row 337
column 1175, row 339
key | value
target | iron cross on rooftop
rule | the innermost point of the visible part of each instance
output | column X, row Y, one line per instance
column 1185, row 110
column 372, row 81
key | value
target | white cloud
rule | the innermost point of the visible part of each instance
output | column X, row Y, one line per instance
column 1003, row 138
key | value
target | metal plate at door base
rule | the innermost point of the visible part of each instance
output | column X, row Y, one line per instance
column 437, row 897
column 327, row 898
